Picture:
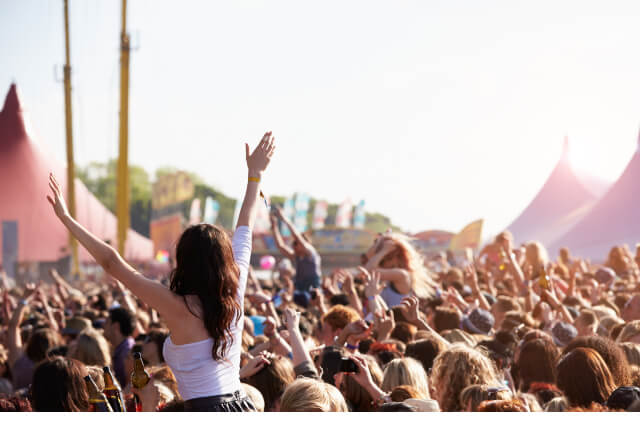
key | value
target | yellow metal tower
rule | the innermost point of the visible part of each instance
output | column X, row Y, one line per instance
column 71, row 192
column 122, row 190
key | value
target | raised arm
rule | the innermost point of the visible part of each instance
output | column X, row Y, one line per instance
column 257, row 163
column 284, row 249
column 295, row 233
column 152, row 292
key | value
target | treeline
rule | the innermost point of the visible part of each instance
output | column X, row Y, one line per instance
column 100, row 179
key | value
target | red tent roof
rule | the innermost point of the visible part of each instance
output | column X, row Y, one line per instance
column 613, row 221
column 562, row 201
column 24, row 171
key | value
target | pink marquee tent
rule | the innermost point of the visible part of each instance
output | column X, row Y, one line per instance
column 24, row 171
column 613, row 221
column 564, row 199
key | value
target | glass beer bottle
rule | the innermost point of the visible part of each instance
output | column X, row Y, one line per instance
column 113, row 391
column 97, row 401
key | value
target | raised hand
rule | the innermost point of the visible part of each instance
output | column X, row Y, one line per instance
column 255, row 365
column 57, row 201
column 410, row 308
column 374, row 287
column 292, row 319
column 258, row 161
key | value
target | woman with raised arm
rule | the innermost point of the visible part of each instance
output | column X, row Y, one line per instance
column 203, row 307
column 401, row 269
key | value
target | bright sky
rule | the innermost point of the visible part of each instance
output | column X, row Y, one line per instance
column 437, row 113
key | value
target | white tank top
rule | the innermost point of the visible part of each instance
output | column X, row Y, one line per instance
column 197, row 374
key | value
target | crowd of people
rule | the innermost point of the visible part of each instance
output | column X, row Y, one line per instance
column 507, row 330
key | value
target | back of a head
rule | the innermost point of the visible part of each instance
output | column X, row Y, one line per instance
column 310, row 395
column 357, row 397
column 255, row 396
column 40, row 342
column 457, row 368
column 425, row 351
column 537, row 363
column 474, row 395
column 632, row 351
column 340, row 316
column 404, row 332
column 125, row 318
column 406, row 371
column 446, row 319
column 397, row 407
column 272, row 380
column 205, row 267
column 58, row 385
column 612, row 355
column 630, row 332
column 584, row 377
column 502, row 406
column 90, row 348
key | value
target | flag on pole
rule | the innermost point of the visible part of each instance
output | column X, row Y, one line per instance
column 302, row 207
column 194, row 214
column 469, row 237
column 359, row 216
column 263, row 223
column 320, row 214
column 211, row 210
column 343, row 216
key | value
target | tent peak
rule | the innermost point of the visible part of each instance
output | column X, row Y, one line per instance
column 12, row 102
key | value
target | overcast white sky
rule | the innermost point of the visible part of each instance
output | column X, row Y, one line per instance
column 437, row 113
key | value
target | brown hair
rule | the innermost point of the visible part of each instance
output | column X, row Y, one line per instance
column 612, row 355
column 40, row 342
column 340, row 316
column 58, row 385
column 205, row 267
column 505, row 304
column 272, row 380
column 425, row 350
column 584, row 377
column 629, row 331
column 404, row 332
column 357, row 397
column 403, row 392
column 446, row 318
column 536, row 363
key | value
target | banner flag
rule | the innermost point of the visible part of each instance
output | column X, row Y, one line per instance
column 289, row 211
column 359, row 216
column 469, row 237
column 343, row 216
column 320, row 214
column 211, row 210
column 194, row 213
column 302, row 207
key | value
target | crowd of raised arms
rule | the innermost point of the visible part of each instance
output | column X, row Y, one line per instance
column 511, row 329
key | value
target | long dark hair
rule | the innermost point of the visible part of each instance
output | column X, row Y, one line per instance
column 205, row 267
column 58, row 385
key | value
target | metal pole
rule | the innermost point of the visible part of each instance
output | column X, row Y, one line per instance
column 71, row 193
column 122, row 191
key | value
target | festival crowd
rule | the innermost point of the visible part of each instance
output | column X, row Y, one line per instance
column 509, row 329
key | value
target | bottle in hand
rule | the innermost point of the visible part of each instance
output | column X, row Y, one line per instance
column 113, row 391
column 140, row 377
column 97, row 401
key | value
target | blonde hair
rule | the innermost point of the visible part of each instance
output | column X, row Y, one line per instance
column 254, row 395
column 629, row 331
column 91, row 348
column 410, row 259
column 478, row 393
column 309, row 395
column 536, row 256
column 406, row 371
column 457, row 368
column 632, row 351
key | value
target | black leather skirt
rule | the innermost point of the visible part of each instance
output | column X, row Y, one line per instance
column 233, row 402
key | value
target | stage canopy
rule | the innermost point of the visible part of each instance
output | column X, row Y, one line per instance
column 564, row 199
column 27, row 218
column 613, row 221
